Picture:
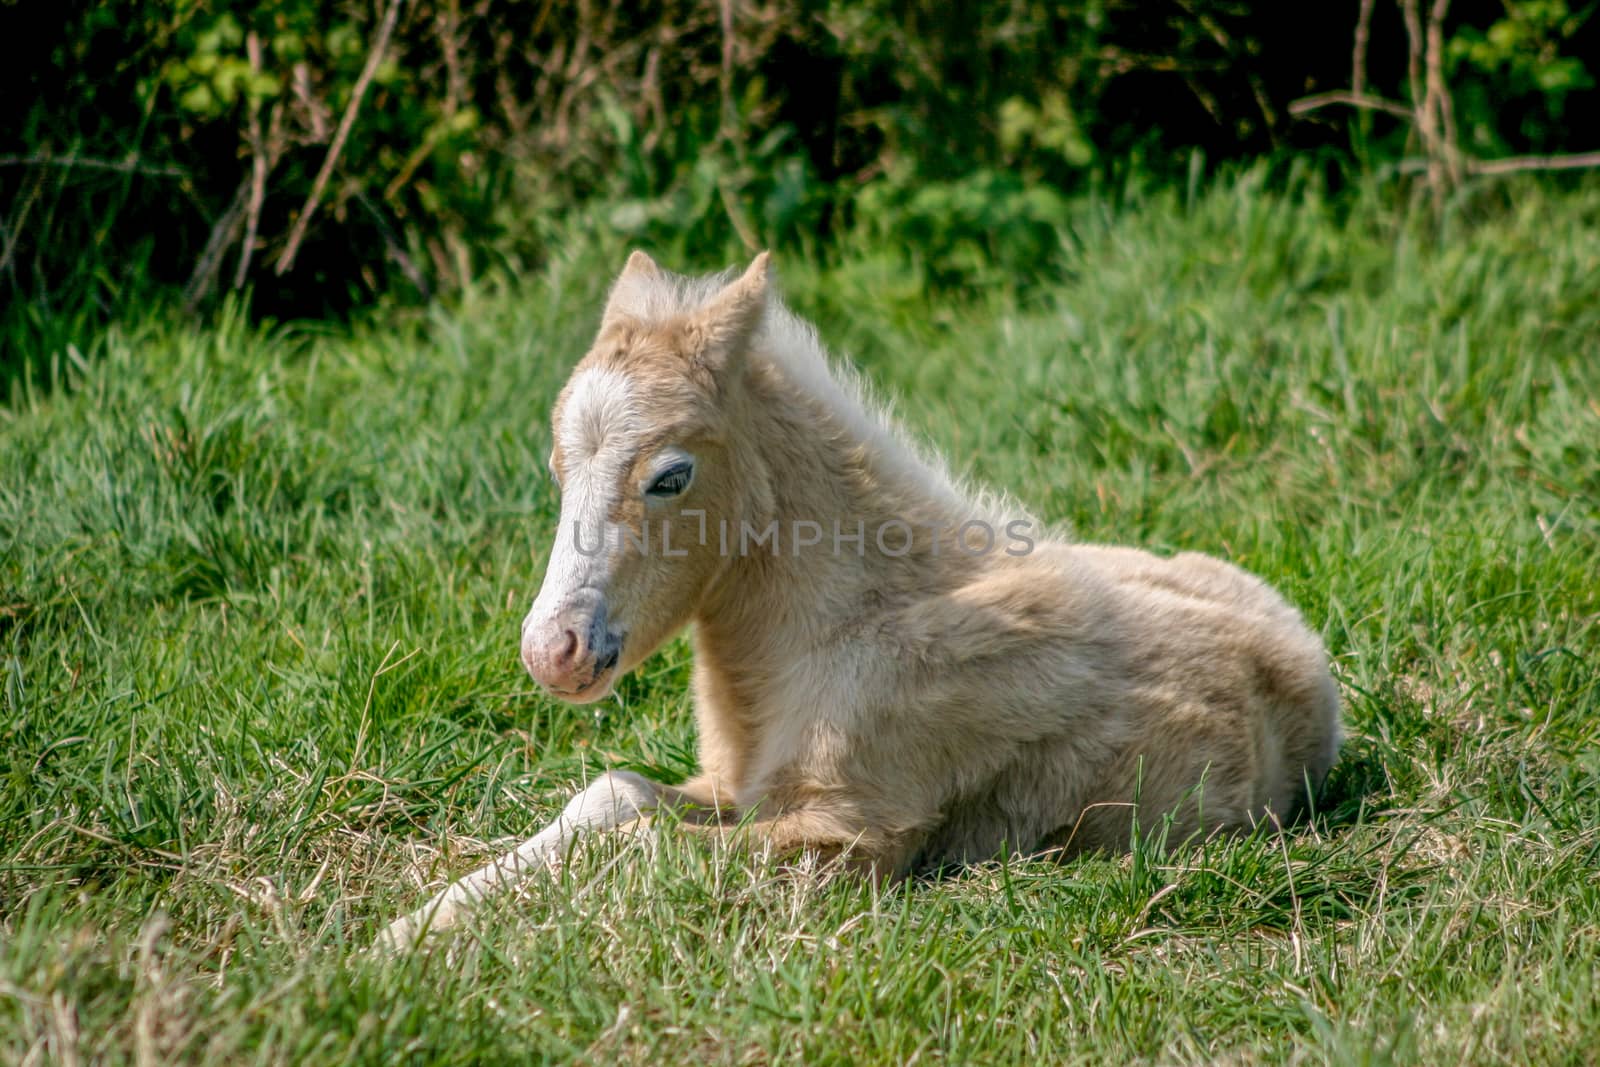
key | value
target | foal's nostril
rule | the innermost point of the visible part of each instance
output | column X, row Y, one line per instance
column 569, row 648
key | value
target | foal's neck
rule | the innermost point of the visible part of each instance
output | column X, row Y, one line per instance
column 827, row 460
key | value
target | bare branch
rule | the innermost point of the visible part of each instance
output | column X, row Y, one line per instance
column 14, row 233
column 131, row 165
column 258, row 171
column 1358, row 55
column 1519, row 164
column 728, row 126
column 316, row 111
column 204, row 275
column 368, row 72
column 1414, row 46
column 397, row 251
column 1371, row 103
column 1439, row 93
column 1423, row 101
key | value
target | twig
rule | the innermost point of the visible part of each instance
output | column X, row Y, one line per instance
column 729, row 123
column 348, row 121
column 1517, row 164
column 448, row 21
column 1423, row 92
column 210, row 261
column 417, row 158
column 1371, row 103
column 1413, row 20
column 133, row 165
column 650, row 93
column 6, row 242
column 316, row 113
column 397, row 251
column 1439, row 93
column 1358, row 55
column 258, row 171
column 13, row 235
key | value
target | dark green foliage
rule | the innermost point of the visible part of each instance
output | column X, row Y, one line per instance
column 132, row 130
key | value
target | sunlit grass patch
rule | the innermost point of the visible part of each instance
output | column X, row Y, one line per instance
column 259, row 688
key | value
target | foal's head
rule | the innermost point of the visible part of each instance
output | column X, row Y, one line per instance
column 647, row 458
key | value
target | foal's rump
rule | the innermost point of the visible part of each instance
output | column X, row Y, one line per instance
column 1232, row 715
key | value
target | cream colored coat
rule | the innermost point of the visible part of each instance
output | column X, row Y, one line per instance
column 906, row 708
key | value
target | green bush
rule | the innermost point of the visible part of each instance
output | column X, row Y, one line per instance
column 176, row 147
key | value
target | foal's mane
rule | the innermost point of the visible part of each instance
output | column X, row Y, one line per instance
column 791, row 345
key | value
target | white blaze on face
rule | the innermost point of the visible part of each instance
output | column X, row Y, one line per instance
column 598, row 435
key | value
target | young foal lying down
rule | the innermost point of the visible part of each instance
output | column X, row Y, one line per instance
column 885, row 665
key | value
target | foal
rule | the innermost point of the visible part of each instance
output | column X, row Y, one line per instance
column 885, row 665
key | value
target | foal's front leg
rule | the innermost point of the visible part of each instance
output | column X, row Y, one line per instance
column 614, row 799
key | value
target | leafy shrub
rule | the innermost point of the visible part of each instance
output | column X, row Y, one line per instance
column 1517, row 75
column 198, row 143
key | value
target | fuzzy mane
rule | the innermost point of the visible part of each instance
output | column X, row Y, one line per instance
column 791, row 345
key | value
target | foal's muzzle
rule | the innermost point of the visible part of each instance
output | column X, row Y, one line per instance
column 571, row 651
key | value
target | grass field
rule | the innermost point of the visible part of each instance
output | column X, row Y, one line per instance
column 259, row 599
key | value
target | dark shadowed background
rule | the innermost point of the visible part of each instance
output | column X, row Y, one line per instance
column 315, row 153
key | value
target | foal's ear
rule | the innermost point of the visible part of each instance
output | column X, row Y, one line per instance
column 625, row 291
column 641, row 264
column 721, row 330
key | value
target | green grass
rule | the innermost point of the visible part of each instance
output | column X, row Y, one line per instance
column 259, row 597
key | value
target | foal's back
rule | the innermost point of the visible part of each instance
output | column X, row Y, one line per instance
column 1178, row 686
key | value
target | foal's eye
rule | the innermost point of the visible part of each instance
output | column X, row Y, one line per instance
column 672, row 481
